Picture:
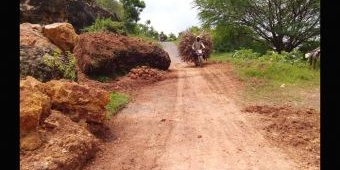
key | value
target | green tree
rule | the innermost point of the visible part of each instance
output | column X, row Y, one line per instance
column 282, row 24
column 172, row 37
column 229, row 37
column 132, row 9
column 113, row 6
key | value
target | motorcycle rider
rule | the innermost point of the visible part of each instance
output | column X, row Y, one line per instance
column 198, row 45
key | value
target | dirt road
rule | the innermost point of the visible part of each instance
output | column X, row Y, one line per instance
column 191, row 121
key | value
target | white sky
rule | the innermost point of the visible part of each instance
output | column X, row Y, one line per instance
column 170, row 16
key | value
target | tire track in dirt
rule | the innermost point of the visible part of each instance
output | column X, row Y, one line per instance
column 190, row 122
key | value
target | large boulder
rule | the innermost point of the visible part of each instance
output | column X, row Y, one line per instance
column 67, row 145
column 42, row 59
column 34, row 46
column 35, row 106
column 62, row 35
column 31, row 35
column 32, row 63
column 77, row 101
column 80, row 13
column 42, row 11
column 37, row 99
column 110, row 54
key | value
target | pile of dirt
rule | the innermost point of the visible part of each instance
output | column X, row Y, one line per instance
column 107, row 54
column 295, row 130
column 137, row 78
column 145, row 72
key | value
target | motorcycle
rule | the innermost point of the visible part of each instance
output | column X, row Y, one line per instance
column 199, row 58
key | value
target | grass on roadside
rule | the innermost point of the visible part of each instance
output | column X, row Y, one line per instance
column 271, row 81
column 117, row 102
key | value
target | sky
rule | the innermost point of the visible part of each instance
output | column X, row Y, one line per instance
column 170, row 16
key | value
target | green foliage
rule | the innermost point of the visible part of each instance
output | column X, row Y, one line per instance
column 294, row 57
column 145, row 30
column 113, row 6
column 132, row 9
column 309, row 46
column 117, row 102
column 221, row 57
column 172, row 37
column 278, row 72
column 106, row 25
column 283, row 25
column 63, row 62
column 272, row 67
column 271, row 79
column 195, row 30
column 228, row 37
column 246, row 54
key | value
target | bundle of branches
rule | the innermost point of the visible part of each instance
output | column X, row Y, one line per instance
column 187, row 39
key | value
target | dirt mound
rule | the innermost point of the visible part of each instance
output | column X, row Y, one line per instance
column 145, row 72
column 111, row 54
column 296, row 130
column 136, row 79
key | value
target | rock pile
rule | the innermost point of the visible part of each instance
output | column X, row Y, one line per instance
column 146, row 73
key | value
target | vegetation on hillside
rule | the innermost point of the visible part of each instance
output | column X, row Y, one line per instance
column 63, row 62
column 272, row 77
column 106, row 25
column 128, row 12
column 117, row 102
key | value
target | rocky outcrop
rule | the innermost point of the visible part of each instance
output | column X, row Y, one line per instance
column 32, row 63
column 62, row 35
column 35, row 49
column 37, row 99
column 83, row 13
column 77, row 101
column 42, row 12
column 107, row 54
column 67, row 145
column 34, row 107
column 31, row 35
column 80, row 13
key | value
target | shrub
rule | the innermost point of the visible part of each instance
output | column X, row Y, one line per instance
column 117, row 102
column 106, row 25
column 62, row 62
column 246, row 54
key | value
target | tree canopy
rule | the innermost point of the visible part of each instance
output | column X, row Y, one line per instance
column 132, row 9
column 282, row 24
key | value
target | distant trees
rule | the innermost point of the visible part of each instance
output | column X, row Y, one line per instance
column 132, row 9
column 281, row 24
column 128, row 12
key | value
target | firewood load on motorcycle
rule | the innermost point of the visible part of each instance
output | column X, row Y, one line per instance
column 186, row 40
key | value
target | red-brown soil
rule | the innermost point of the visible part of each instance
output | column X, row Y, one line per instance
column 193, row 118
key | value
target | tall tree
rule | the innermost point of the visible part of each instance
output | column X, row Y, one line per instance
column 283, row 24
column 132, row 9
